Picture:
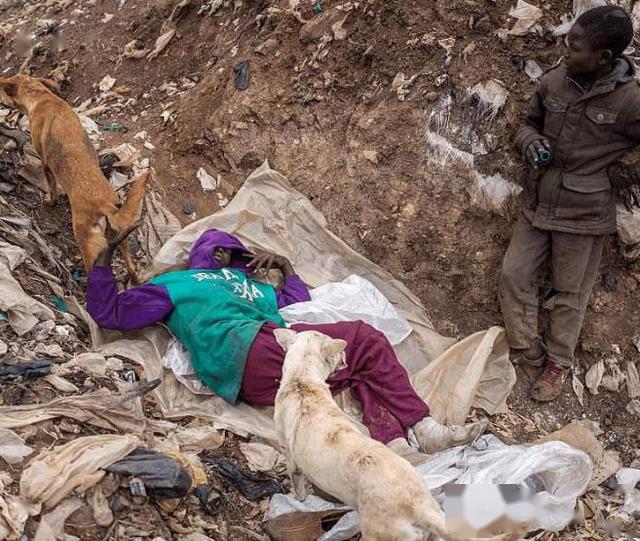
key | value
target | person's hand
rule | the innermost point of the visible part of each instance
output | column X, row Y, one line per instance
column 532, row 152
column 114, row 239
column 267, row 261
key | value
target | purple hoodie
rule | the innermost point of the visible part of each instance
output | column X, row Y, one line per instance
column 148, row 304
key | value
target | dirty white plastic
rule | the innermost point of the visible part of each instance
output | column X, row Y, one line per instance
column 556, row 471
column 352, row 299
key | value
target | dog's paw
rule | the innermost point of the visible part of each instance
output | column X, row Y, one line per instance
column 299, row 486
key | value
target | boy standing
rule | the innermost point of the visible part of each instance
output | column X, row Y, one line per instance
column 585, row 113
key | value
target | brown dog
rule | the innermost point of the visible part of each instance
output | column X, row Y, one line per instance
column 68, row 158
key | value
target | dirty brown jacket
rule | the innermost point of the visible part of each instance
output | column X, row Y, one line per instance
column 588, row 131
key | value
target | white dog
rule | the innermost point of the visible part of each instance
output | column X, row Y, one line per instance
column 322, row 444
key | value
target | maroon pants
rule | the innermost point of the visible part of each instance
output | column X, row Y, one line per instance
column 373, row 375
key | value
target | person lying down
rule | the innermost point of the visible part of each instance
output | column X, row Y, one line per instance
column 225, row 319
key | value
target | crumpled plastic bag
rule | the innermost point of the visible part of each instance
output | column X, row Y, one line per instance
column 101, row 408
column 352, row 299
column 473, row 373
column 23, row 312
column 163, row 477
column 14, row 513
column 558, row 473
column 51, row 525
column 527, row 15
column 12, row 447
column 579, row 7
column 74, row 466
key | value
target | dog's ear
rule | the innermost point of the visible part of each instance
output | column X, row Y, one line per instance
column 51, row 85
column 333, row 347
column 285, row 337
column 10, row 88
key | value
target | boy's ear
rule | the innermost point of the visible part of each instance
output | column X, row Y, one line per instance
column 51, row 85
column 285, row 337
column 606, row 57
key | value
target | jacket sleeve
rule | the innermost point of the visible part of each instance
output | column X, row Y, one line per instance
column 534, row 123
column 132, row 309
column 292, row 291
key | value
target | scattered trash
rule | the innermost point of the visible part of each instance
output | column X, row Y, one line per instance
column 168, row 30
column 22, row 311
column 102, row 513
column 578, row 388
column 317, row 7
column 25, row 371
column 189, row 208
column 51, row 525
column 491, row 97
column 611, row 382
column 161, row 477
column 73, row 467
column 131, row 50
column 261, row 457
column 12, row 447
column 579, row 435
column 254, row 487
column 594, row 377
column 527, row 14
column 633, row 380
column 207, row 182
column 241, row 74
column 633, row 407
column 627, row 480
column 494, row 193
column 579, row 7
column 114, row 127
column 401, row 84
column 106, row 84
column 533, row 70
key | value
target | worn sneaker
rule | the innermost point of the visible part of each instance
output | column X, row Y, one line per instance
column 433, row 437
column 531, row 356
column 549, row 384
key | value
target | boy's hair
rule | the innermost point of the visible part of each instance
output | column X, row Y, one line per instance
column 607, row 27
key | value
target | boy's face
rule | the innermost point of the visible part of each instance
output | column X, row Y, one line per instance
column 222, row 256
column 580, row 57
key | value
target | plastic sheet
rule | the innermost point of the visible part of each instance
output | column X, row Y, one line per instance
column 352, row 299
column 267, row 213
column 557, row 472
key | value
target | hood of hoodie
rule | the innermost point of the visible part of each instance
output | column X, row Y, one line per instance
column 201, row 256
column 623, row 71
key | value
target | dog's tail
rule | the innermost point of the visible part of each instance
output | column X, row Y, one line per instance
column 131, row 208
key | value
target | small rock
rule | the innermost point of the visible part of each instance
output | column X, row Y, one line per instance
column 610, row 282
column 431, row 96
column 633, row 407
column 319, row 26
column 266, row 47
column 371, row 155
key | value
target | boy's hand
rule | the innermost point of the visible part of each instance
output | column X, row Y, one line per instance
column 267, row 261
column 533, row 150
